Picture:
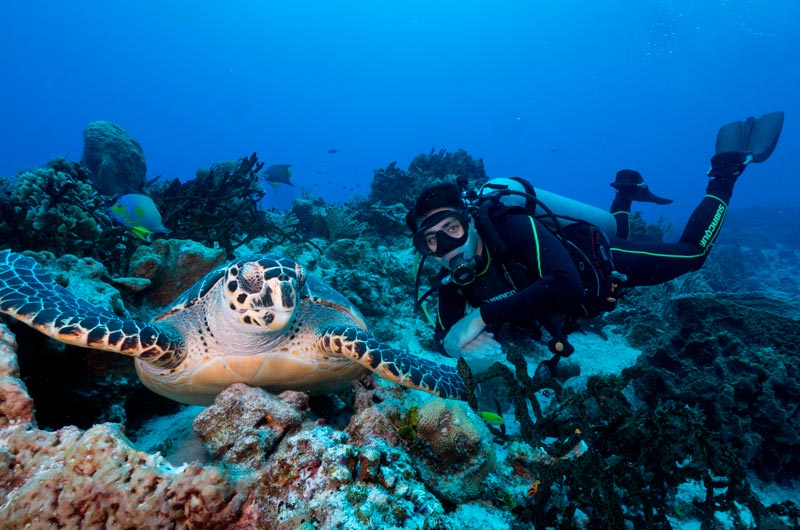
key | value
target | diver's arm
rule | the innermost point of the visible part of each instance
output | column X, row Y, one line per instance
column 558, row 288
column 451, row 307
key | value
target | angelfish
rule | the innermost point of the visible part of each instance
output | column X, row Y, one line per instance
column 278, row 174
column 139, row 213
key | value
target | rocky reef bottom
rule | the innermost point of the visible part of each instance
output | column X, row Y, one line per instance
column 598, row 457
column 681, row 409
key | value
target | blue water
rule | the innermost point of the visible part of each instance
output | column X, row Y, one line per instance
column 563, row 92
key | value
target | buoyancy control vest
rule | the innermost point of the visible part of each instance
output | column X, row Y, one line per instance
column 582, row 228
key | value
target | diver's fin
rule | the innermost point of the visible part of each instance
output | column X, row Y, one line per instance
column 754, row 137
column 631, row 186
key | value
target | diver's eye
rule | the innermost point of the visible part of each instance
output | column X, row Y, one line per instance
column 454, row 228
column 430, row 240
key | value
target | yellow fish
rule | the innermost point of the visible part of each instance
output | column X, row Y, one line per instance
column 491, row 417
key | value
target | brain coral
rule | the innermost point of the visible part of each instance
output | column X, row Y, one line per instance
column 459, row 453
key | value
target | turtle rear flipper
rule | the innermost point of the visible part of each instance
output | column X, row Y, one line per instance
column 31, row 296
column 392, row 364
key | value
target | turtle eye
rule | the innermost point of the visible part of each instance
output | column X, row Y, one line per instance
column 301, row 275
column 250, row 278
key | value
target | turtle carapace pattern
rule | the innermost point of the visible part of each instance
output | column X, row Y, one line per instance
column 258, row 320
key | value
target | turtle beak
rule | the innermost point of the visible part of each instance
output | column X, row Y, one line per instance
column 264, row 300
column 279, row 302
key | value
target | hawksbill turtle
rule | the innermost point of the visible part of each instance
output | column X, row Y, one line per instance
column 259, row 321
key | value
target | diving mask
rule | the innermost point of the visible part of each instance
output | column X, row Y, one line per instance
column 441, row 233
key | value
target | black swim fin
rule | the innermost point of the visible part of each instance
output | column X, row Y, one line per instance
column 752, row 137
column 631, row 186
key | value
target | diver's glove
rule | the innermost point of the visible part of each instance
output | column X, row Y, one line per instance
column 631, row 186
column 729, row 164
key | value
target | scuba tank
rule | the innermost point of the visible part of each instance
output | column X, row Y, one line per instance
column 569, row 211
column 548, row 204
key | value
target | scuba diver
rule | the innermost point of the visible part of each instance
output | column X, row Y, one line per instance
column 514, row 255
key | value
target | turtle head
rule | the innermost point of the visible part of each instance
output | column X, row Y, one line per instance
column 264, row 292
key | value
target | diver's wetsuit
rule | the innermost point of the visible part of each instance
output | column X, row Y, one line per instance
column 650, row 263
column 540, row 280
column 537, row 280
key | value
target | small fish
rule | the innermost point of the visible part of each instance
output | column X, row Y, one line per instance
column 333, row 151
column 491, row 417
column 139, row 213
column 279, row 174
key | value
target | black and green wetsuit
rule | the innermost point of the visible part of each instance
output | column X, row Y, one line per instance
column 538, row 279
column 651, row 263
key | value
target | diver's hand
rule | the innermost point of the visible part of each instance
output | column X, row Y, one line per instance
column 482, row 352
column 483, row 345
column 463, row 332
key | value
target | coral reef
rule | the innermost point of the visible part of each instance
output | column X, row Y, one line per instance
column 56, row 208
column 392, row 185
column 114, row 158
column 219, row 207
column 169, row 268
column 640, row 230
column 738, row 365
column 712, row 399
column 459, row 453
column 95, row 479
column 376, row 280
column 16, row 407
column 244, row 424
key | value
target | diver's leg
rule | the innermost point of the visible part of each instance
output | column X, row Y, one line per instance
column 705, row 222
column 648, row 263
column 738, row 144
column 621, row 211
column 630, row 186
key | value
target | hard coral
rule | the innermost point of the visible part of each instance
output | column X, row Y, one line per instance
column 55, row 208
column 172, row 266
column 317, row 475
column 245, row 424
column 459, row 453
column 15, row 404
column 95, row 479
column 115, row 159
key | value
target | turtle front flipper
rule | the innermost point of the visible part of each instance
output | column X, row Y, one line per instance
column 392, row 364
column 30, row 295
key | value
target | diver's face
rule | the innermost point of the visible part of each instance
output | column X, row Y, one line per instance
column 447, row 234
column 452, row 226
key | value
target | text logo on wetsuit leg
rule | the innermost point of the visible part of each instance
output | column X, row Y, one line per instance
column 712, row 228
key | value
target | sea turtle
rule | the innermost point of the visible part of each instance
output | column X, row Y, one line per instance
column 258, row 320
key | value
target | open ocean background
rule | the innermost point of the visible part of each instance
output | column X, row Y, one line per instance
column 562, row 92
